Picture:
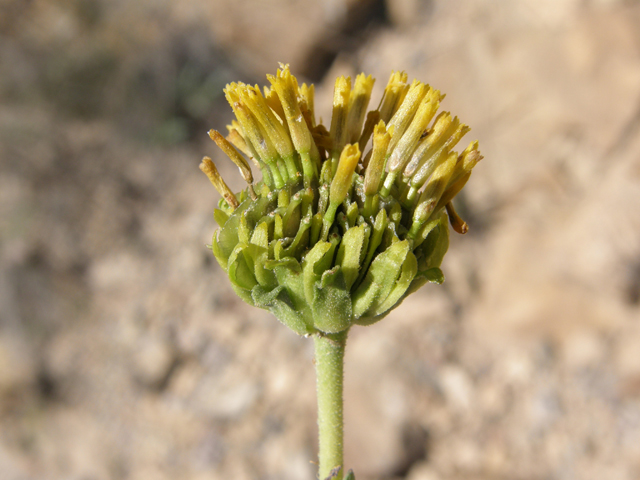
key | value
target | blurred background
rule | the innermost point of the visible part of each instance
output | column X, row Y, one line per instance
column 124, row 353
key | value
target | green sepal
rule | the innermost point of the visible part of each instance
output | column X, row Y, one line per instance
column 243, row 293
column 301, row 239
column 332, row 311
column 258, row 256
column 380, row 279
column 241, row 271
column 435, row 246
column 433, row 275
column 278, row 232
column 316, row 262
column 379, row 227
column 260, row 235
column 352, row 213
column 350, row 475
column 227, row 236
column 407, row 274
column 244, row 229
column 220, row 217
column 287, row 262
column 292, row 281
column 292, row 215
column 218, row 252
column 351, row 253
column 316, row 228
column 278, row 302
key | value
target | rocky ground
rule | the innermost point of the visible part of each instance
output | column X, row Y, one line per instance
column 124, row 353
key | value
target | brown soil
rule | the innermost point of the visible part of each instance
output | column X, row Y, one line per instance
column 124, row 353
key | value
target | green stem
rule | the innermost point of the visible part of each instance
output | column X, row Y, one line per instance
column 329, row 370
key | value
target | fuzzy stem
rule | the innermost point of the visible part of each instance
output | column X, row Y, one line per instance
column 329, row 350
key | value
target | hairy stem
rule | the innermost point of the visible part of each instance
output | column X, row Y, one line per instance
column 329, row 349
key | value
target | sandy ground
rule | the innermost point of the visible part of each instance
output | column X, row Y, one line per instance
column 124, row 353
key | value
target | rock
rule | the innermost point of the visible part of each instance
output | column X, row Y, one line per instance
column 153, row 361
column 457, row 387
column 225, row 399
column 18, row 369
column 583, row 349
column 423, row 471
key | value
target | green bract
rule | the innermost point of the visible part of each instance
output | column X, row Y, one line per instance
column 330, row 238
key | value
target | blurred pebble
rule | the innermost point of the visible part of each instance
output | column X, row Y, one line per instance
column 493, row 399
column 423, row 471
column 225, row 400
column 405, row 13
column 153, row 361
column 518, row 368
column 17, row 366
column 457, row 386
column 627, row 355
column 584, row 349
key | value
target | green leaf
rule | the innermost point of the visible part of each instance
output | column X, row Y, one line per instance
column 332, row 311
column 380, row 279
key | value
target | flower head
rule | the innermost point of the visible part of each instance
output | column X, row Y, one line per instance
column 346, row 221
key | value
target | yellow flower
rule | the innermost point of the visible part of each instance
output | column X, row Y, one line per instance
column 342, row 226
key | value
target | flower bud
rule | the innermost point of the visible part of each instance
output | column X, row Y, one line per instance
column 375, row 168
column 393, row 96
column 358, row 102
column 343, row 178
column 339, row 117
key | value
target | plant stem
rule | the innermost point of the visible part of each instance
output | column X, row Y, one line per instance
column 329, row 349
